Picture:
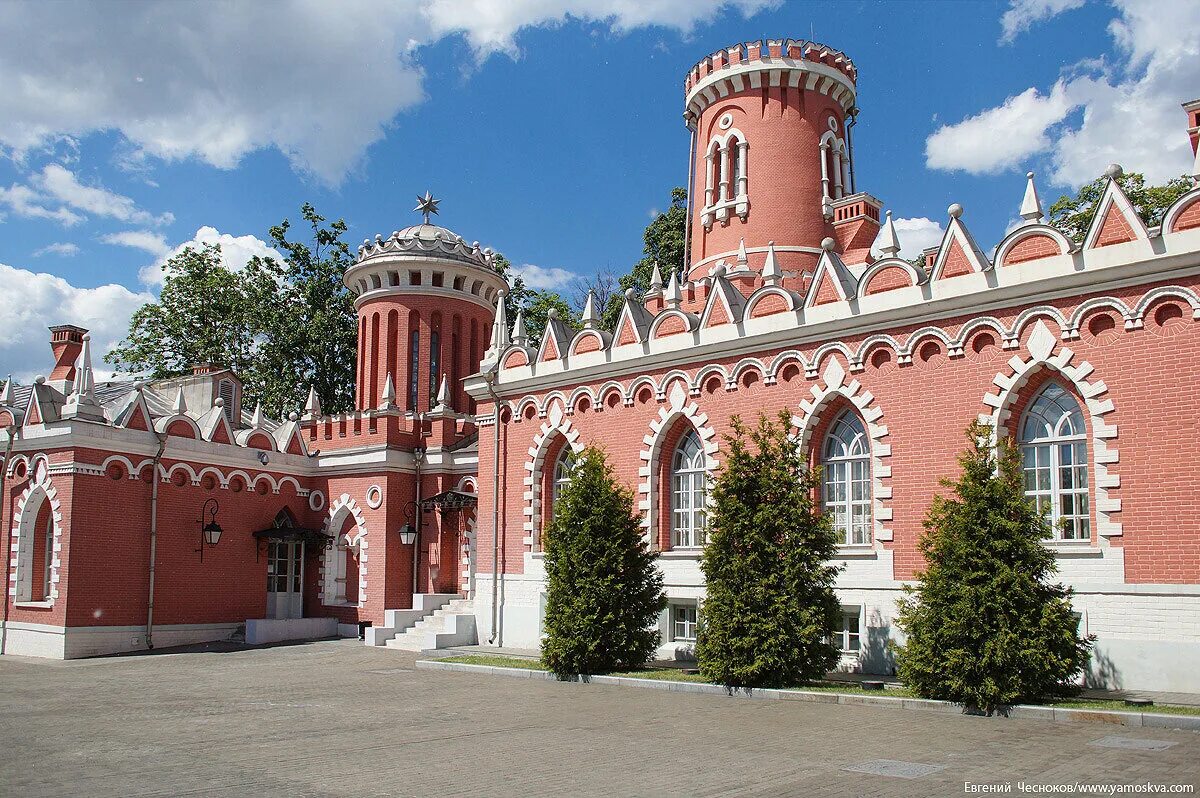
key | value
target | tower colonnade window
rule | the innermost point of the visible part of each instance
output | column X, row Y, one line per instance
column 846, row 479
column 726, row 183
column 1053, row 446
column 688, row 492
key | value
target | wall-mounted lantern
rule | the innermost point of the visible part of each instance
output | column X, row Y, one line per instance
column 210, row 533
column 408, row 535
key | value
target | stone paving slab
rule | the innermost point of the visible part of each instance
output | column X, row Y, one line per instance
column 341, row 719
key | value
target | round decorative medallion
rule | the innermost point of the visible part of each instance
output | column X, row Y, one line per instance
column 725, row 122
column 833, row 123
column 374, row 497
column 316, row 501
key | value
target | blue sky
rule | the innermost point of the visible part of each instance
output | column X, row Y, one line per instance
column 550, row 131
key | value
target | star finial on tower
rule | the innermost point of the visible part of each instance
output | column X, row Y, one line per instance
column 426, row 205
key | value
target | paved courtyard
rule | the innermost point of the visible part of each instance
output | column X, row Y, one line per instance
column 339, row 719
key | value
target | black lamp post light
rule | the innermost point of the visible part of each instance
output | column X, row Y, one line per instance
column 210, row 533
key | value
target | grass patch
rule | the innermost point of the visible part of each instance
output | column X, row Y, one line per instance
column 849, row 688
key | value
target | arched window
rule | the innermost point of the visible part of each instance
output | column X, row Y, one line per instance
column 435, row 365
column 414, row 361
column 1054, row 457
column 688, row 487
column 846, row 479
column 562, row 474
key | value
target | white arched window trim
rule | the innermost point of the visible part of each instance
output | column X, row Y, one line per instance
column 689, row 492
column 846, row 479
column 1053, row 443
column 726, row 186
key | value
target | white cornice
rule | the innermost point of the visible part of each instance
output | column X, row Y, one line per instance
column 700, row 91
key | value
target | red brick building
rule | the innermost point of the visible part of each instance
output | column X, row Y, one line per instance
column 1084, row 353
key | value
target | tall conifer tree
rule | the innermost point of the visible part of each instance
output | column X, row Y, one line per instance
column 769, row 607
column 985, row 627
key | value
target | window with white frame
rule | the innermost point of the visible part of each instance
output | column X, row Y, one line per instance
column 726, row 184
column 688, row 486
column 562, row 475
column 847, row 636
column 846, row 479
column 48, row 555
column 683, row 622
column 1053, row 444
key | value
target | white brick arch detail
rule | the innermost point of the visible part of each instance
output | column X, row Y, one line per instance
column 648, row 487
column 831, row 386
column 557, row 425
column 344, row 506
column 1009, row 388
column 25, row 536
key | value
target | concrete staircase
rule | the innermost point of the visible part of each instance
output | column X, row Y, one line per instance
column 437, row 620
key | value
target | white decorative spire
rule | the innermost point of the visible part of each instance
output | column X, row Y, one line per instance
column 312, row 408
column 743, row 262
column 388, row 400
column 591, row 319
column 256, row 420
column 179, row 406
column 771, row 272
column 6, row 395
column 520, row 335
column 1031, row 206
column 500, row 336
column 890, row 246
column 656, row 280
column 85, row 380
column 443, row 394
column 674, row 296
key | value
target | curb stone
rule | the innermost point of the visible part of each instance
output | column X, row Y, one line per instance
column 1020, row 712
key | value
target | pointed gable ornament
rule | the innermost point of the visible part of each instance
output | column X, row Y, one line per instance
column 771, row 273
column 443, row 394
column 312, row 408
column 500, row 335
column 590, row 319
column 1196, row 168
column 674, row 295
column 6, row 395
column 179, row 406
column 520, row 334
column 1031, row 206
column 388, row 401
column 889, row 245
column 256, row 420
column 743, row 262
column 82, row 401
column 656, row 282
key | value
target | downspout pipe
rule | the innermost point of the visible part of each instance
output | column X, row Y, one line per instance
column 687, row 220
column 154, row 480
column 850, row 147
column 491, row 386
column 418, row 518
column 8, row 450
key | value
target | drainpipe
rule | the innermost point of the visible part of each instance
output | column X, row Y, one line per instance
column 162, row 444
column 12, row 436
column 418, row 519
column 491, row 386
column 687, row 220
column 850, row 146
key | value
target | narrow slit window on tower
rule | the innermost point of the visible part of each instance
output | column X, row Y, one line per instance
column 435, row 364
column 414, row 383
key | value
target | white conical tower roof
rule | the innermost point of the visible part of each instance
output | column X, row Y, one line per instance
column 1031, row 206
column 591, row 319
column 388, row 400
column 771, row 273
column 674, row 296
column 312, row 408
column 889, row 242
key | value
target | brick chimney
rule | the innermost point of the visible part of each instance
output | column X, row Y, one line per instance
column 203, row 368
column 66, row 341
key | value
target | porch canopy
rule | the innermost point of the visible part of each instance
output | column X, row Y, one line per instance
column 450, row 500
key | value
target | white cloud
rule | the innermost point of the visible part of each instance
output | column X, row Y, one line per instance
column 145, row 240
column 1023, row 14
column 29, row 204
column 236, row 251
column 64, row 250
column 1130, row 108
column 36, row 301
column 318, row 81
column 999, row 138
column 915, row 236
column 540, row 278
column 63, row 185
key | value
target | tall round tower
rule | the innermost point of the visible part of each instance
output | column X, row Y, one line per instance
column 425, row 300
column 771, row 155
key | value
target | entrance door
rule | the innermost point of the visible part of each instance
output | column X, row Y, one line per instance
column 285, row 579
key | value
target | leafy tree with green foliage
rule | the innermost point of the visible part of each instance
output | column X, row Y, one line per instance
column 664, row 240
column 537, row 308
column 1073, row 215
column 770, row 608
column 603, row 589
column 984, row 626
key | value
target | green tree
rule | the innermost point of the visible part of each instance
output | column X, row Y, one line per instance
column 1073, row 215
column 663, row 242
column 203, row 315
column 537, row 306
column 769, row 608
column 985, row 627
column 603, row 589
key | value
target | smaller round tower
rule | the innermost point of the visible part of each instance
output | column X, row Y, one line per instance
column 772, row 158
column 425, row 300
